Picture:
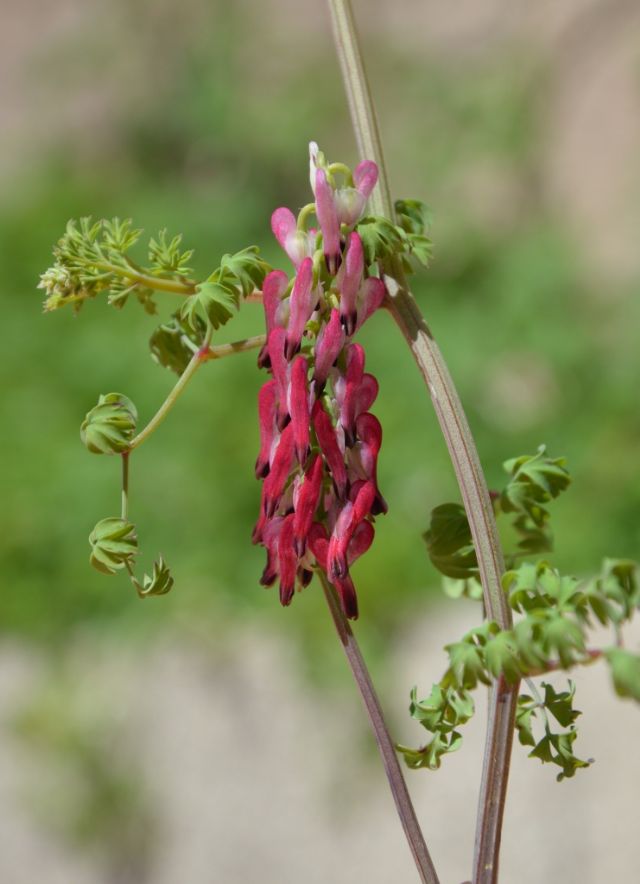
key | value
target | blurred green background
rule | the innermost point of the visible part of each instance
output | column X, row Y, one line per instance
column 513, row 126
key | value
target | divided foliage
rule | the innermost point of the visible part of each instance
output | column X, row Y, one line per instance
column 555, row 613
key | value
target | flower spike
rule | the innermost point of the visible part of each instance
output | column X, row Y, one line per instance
column 294, row 242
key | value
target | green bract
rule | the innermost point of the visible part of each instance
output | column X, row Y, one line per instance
column 158, row 583
column 113, row 545
column 110, row 425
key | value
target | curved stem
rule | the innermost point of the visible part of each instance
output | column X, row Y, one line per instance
column 158, row 283
column 204, row 354
column 222, row 350
column 462, row 450
column 196, row 361
column 392, row 767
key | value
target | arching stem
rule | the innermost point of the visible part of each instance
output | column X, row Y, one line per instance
column 462, row 450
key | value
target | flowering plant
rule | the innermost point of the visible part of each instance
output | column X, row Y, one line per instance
column 318, row 454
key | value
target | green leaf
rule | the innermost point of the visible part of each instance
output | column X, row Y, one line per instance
column 502, row 657
column 471, row 588
column 534, row 481
column 441, row 714
column 114, row 545
column 561, row 635
column 166, row 258
column 467, row 664
column 560, row 705
column 526, row 713
column 380, row 239
column 413, row 216
column 625, row 672
column 245, row 269
column 558, row 749
column 614, row 594
column 552, row 748
column 449, row 542
column 110, row 425
column 421, row 248
column 213, row 301
column 174, row 343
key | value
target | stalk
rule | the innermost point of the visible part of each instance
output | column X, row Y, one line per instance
column 386, row 746
column 462, row 450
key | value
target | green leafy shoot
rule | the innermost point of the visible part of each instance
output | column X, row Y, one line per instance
column 216, row 299
column 441, row 713
column 534, row 480
column 382, row 240
column 414, row 220
column 552, row 747
column 93, row 257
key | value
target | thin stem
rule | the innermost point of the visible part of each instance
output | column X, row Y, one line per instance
column 392, row 767
column 125, row 485
column 462, row 450
column 204, row 354
column 222, row 350
column 157, row 283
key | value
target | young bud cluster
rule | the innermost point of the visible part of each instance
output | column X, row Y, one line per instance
column 319, row 443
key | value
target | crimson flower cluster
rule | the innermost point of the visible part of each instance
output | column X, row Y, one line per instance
column 319, row 443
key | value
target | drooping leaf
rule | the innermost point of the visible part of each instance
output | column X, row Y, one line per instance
column 174, row 343
column 449, row 542
column 625, row 672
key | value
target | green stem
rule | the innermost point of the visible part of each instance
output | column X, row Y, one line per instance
column 196, row 361
column 386, row 746
column 125, row 485
column 462, row 450
column 222, row 350
column 157, row 283
column 204, row 354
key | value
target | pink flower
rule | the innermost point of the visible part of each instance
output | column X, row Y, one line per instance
column 328, row 346
column 298, row 402
column 273, row 288
column 267, row 411
column 279, row 473
column 351, row 201
column 328, row 443
column 353, row 513
column 328, row 219
column 296, row 243
column 302, row 304
column 307, row 503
